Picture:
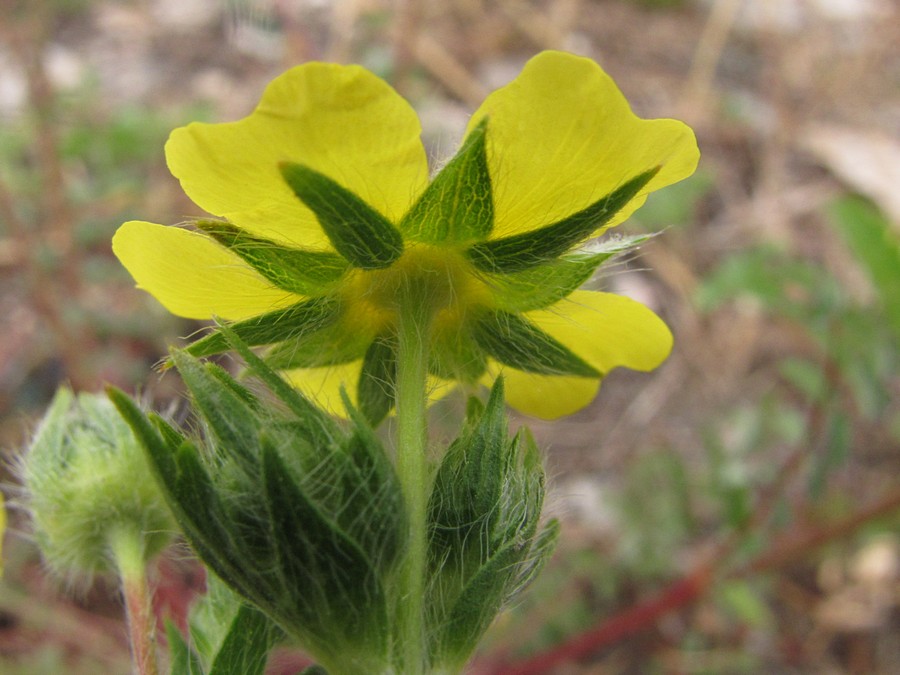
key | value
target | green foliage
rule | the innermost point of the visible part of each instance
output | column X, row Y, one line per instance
column 227, row 637
column 304, row 519
column 271, row 499
column 483, row 514
column 871, row 238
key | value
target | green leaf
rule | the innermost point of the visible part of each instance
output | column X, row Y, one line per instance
column 358, row 232
column 515, row 342
column 317, row 423
column 292, row 269
column 283, row 324
column 246, row 647
column 330, row 584
column 458, row 205
column 194, row 502
column 479, row 602
column 530, row 249
column 228, row 415
column 377, row 380
column 877, row 247
column 182, row 659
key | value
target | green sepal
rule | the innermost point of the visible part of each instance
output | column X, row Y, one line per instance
column 458, row 205
column 544, row 285
column 357, row 231
column 377, row 379
column 295, row 270
column 282, row 324
column 514, row 341
column 320, row 567
column 182, row 659
column 530, row 249
column 456, row 356
column 333, row 345
column 247, row 644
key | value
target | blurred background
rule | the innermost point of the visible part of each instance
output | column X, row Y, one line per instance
column 736, row 511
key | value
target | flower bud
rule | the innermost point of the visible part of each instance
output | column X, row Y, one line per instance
column 88, row 485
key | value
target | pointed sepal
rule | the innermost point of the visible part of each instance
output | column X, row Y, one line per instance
column 458, row 206
column 537, row 247
column 357, row 231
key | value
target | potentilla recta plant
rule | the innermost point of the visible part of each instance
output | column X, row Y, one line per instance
column 355, row 285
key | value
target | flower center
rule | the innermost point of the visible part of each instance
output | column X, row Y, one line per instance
column 439, row 282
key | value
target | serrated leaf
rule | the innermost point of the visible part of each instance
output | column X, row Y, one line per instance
column 458, row 205
column 190, row 494
column 229, row 417
column 330, row 583
column 246, row 647
column 198, row 507
column 377, row 379
column 318, row 424
column 515, row 342
column 295, row 270
column 358, row 232
column 283, row 324
column 530, row 249
column 481, row 599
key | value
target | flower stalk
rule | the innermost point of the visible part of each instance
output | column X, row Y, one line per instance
column 413, row 473
column 127, row 551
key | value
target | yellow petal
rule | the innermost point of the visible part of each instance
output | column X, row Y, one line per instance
column 342, row 121
column 323, row 385
column 192, row 276
column 604, row 329
column 607, row 330
column 545, row 396
column 561, row 136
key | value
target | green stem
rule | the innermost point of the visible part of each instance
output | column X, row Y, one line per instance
column 127, row 549
column 412, row 469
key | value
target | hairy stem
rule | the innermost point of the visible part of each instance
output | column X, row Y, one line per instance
column 127, row 549
column 412, row 468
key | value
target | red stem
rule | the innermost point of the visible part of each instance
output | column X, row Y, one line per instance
column 629, row 622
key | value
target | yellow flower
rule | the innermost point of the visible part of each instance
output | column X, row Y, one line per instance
column 326, row 220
